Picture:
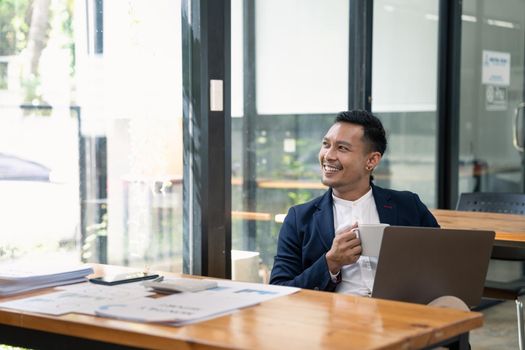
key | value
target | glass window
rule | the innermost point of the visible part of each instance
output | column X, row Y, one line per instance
column 404, row 81
column 39, row 143
column 492, row 76
column 492, row 88
column 237, row 58
column 300, row 71
column 131, row 93
column 103, row 114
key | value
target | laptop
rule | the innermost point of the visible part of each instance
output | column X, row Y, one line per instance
column 420, row 264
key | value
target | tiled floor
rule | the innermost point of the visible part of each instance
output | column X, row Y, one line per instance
column 499, row 330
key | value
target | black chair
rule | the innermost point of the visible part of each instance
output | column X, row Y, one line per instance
column 506, row 203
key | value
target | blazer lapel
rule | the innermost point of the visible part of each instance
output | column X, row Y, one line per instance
column 324, row 220
column 386, row 209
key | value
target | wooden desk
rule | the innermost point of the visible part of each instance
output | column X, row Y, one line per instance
column 509, row 228
column 305, row 320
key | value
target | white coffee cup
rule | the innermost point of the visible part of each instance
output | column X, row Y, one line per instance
column 371, row 236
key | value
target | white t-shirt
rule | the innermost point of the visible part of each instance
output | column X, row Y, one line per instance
column 356, row 278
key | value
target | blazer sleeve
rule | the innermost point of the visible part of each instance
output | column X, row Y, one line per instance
column 288, row 268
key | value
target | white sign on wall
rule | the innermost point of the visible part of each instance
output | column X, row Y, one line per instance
column 496, row 68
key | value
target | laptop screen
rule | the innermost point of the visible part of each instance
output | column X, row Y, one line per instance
column 420, row 264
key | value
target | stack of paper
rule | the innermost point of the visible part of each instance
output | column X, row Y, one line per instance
column 17, row 278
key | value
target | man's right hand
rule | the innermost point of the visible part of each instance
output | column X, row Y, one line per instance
column 345, row 250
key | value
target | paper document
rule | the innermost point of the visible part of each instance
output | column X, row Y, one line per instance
column 184, row 308
column 17, row 278
column 175, row 308
column 81, row 298
column 20, row 273
column 256, row 292
column 134, row 289
column 131, row 301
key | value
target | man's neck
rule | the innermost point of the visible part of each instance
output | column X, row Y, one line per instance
column 353, row 194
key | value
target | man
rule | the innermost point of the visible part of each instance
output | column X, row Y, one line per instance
column 309, row 253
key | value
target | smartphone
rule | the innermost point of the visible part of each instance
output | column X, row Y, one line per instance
column 111, row 280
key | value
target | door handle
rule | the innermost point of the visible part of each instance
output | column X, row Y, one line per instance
column 516, row 138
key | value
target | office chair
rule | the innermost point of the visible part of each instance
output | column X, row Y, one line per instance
column 506, row 203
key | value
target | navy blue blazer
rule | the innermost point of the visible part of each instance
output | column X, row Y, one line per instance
column 308, row 231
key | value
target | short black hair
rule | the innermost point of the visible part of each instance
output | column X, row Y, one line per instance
column 374, row 133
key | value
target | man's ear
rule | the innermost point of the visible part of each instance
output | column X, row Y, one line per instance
column 374, row 159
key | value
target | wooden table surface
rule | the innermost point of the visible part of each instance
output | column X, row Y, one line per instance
column 305, row 320
column 508, row 227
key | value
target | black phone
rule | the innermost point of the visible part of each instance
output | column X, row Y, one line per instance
column 111, row 280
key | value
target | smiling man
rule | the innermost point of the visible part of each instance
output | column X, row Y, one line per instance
column 309, row 253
